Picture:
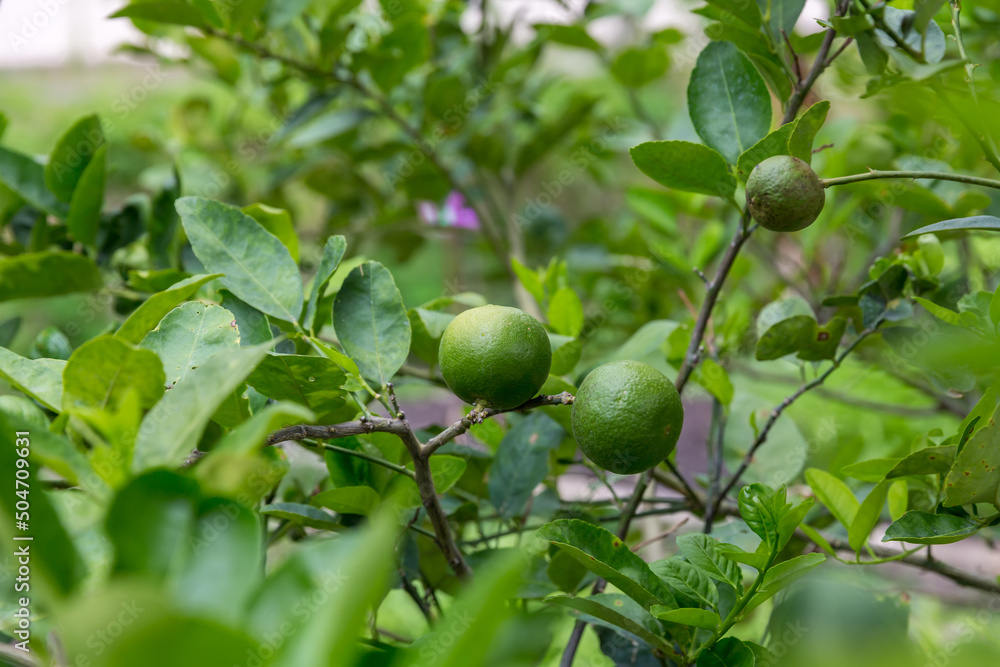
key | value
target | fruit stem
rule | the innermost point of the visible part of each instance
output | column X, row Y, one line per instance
column 934, row 175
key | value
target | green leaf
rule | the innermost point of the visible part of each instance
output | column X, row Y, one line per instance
column 427, row 327
column 608, row 614
column 715, row 379
column 224, row 566
column 974, row 222
column 371, row 322
column 522, row 463
column 253, row 325
column 944, row 314
column 607, row 556
column 303, row 515
column 702, row 550
column 71, row 156
column 748, row 12
column 728, row 100
column 687, row 166
column 927, row 461
column 445, row 472
column 40, row 274
column 820, row 541
column 867, row 516
column 756, row 560
column 362, row 500
column 84, row 216
column 189, row 335
column 149, row 523
column 782, row 575
column 256, row 265
column 252, row 434
column 312, row 381
column 41, row 379
column 791, row 519
column 529, row 279
column 569, row 35
column 56, row 567
column 103, row 370
column 278, row 221
column 566, row 312
column 143, row 319
column 780, row 16
column 834, row 494
column 803, row 335
column 26, row 178
column 899, row 498
column 918, row 527
column 762, row 509
column 698, row 618
column 171, row 430
column 729, row 651
column 800, row 144
column 974, row 476
column 873, row 470
column 175, row 13
column 333, row 252
column 636, row 66
column 775, row 143
column 691, row 586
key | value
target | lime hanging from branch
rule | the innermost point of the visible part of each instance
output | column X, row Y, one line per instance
column 784, row 194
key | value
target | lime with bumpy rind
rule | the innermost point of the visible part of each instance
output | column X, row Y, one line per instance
column 627, row 417
column 495, row 355
column 784, row 194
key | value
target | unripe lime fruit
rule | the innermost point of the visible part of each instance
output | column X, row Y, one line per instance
column 627, row 416
column 496, row 355
column 784, row 194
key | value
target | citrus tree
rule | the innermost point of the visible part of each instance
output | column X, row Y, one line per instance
column 214, row 453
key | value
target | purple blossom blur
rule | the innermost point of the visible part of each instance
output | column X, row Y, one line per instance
column 453, row 213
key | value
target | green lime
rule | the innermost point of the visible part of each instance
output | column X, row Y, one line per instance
column 784, row 194
column 496, row 355
column 627, row 417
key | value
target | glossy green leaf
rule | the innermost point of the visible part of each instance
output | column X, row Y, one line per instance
column 800, row 143
column 165, row 11
column 634, row 67
column 26, row 178
column 41, row 379
column 566, row 312
column 312, row 381
column 687, row 166
column 762, row 508
column 698, row 618
column 690, row 585
column 728, row 100
column 748, row 12
column 782, row 575
column 974, row 476
column 84, row 215
column 976, row 222
column 72, row 154
column 918, row 527
column 171, row 430
column 899, row 499
column 791, row 519
column 189, row 335
column 303, row 515
column 834, row 494
column 715, row 379
column 529, row 280
column 253, row 325
column 333, row 252
column 607, row 613
column 780, row 16
column 803, row 335
column 144, row 319
column 702, row 550
column 256, row 265
column 39, row 274
column 278, row 221
column 757, row 559
column 362, row 500
column 427, row 327
column 868, row 515
column 522, row 463
column 607, row 556
column 873, row 470
column 940, row 312
column 775, row 143
column 103, row 370
column 927, row 461
column 728, row 651
column 371, row 322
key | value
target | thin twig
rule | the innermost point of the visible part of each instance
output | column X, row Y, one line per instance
column 932, row 175
column 665, row 534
